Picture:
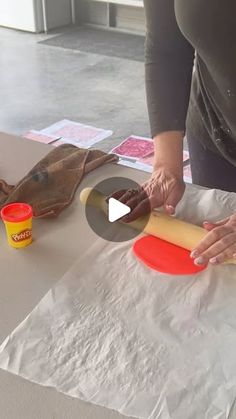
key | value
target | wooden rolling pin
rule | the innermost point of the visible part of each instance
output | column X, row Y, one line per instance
column 157, row 224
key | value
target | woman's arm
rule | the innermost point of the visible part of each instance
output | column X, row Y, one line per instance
column 169, row 152
column 169, row 62
column 168, row 67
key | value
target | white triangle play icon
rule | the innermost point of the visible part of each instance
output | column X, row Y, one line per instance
column 116, row 210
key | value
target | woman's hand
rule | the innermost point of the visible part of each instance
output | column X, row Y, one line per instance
column 219, row 244
column 164, row 188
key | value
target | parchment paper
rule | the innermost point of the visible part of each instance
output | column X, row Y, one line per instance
column 117, row 334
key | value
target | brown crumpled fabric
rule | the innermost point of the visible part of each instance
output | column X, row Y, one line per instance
column 51, row 185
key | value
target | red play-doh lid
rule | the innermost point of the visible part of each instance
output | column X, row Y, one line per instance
column 16, row 212
column 165, row 257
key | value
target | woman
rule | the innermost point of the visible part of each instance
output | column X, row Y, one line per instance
column 202, row 105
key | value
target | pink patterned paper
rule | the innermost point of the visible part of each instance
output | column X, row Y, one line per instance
column 185, row 155
column 188, row 174
column 42, row 138
column 77, row 132
column 135, row 147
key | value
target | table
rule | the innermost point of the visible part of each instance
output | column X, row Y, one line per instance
column 27, row 275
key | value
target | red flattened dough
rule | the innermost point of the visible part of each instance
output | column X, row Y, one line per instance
column 165, row 257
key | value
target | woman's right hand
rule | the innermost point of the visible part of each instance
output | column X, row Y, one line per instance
column 163, row 188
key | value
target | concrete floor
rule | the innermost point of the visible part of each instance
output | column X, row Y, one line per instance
column 42, row 84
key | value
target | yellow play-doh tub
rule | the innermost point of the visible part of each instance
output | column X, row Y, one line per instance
column 17, row 218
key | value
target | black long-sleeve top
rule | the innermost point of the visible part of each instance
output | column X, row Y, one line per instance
column 203, row 102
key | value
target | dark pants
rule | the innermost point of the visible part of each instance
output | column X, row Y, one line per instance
column 209, row 169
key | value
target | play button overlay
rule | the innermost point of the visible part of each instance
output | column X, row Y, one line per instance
column 107, row 222
column 117, row 210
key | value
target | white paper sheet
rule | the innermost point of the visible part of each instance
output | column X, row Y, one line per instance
column 80, row 135
column 117, row 334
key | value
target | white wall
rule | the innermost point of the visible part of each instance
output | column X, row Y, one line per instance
column 27, row 14
column 18, row 14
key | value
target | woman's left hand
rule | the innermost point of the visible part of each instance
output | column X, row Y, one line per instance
column 219, row 244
